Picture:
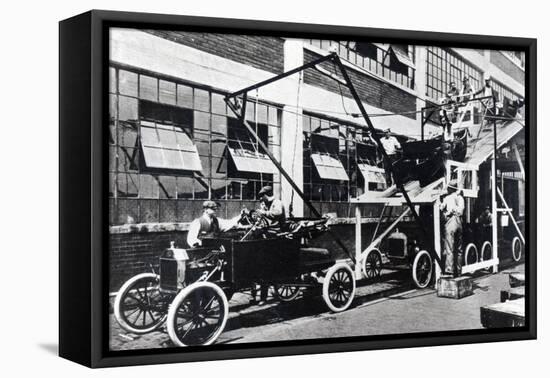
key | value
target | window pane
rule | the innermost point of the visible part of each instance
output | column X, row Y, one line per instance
column 127, row 125
column 219, row 167
column 185, row 96
column 203, row 147
column 234, row 190
column 113, row 115
column 127, row 185
column 127, row 83
column 148, row 187
column 219, row 126
column 185, row 187
column 201, row 121
column 148, row 88
column 112, row 80
column 201, row 187
column 218, row 147
column 112, row 185
column 274, row 136
column 261, row 112
column 201, row 100
column 218, row 104
column 167, row 186
column 250, row 189
column 112, row 158
column 167, row 92
column 219, row 188
column 127, row 159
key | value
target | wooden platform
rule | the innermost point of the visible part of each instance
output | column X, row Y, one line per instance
column 451, row 287
column 501, row 315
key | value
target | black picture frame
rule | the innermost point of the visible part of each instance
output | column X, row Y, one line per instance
column 83, row 208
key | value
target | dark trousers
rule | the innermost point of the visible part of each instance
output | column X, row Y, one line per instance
column 388, row 164
column 452, row 246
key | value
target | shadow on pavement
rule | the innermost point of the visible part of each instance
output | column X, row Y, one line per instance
column 52, row 348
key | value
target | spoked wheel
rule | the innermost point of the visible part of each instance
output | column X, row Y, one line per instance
column 517, row 249
column 339, row 287
column 286, row 293
column 422, row 269
column 372, row 264
column 140, row 307
column 198, row 315
column 470, row 256
column 486, row 251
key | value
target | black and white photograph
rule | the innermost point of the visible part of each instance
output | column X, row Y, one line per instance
column 271, row 188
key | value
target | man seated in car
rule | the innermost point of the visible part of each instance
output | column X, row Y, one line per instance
column 208, row 224
column 271, row 208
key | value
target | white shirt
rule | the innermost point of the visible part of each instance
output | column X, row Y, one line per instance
column 452, row 204
column 195, row 226
column 390, row 145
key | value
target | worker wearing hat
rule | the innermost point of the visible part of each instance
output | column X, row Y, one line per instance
column 270, row 207
column 208, row 224
column 392, row 147
column 452, row 207
column 274, row 212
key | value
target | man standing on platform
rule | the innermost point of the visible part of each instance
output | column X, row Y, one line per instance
column 392, row 147
column 452, row 206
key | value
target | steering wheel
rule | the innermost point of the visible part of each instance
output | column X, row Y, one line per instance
column 255, row 218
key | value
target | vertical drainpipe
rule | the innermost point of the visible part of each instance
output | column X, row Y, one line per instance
column 292, row 127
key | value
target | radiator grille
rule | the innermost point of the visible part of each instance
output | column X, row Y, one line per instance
column 168, row 274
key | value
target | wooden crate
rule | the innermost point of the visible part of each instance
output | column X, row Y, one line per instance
column 502, row 315
column 451, row 287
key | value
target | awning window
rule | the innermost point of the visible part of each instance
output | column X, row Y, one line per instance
column 372, row 174
column 168, row 147
column 402, row 56
column 251, row 161
column 329, row 167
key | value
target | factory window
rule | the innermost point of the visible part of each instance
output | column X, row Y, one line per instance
column 166, row 138
column 169, row 140
column 443, row 68
column 393, row 62
column 333, row 155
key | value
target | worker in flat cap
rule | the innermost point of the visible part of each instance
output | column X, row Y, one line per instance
column 208, row 224
column 270, row 207
column 452, row 207
column 273, row 211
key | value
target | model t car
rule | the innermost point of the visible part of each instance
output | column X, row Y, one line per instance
column 190, row 292
column 401, row 251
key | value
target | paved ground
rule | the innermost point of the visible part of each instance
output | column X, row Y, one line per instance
column 387, row 306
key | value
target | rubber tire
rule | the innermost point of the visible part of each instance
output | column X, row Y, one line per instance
column 326, row 284
column 468, row 248
column 286, row 299
column 364, row 262
column 118, row 316
column 415, row 265
column 518, row 241
column 486, row 243
column 180, row 297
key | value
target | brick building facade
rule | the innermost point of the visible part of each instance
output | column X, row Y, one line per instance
column 174, row 143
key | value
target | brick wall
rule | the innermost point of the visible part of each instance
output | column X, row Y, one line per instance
column 131, row 253
column 262, row 52
column 505, row 65
column 371, row 90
